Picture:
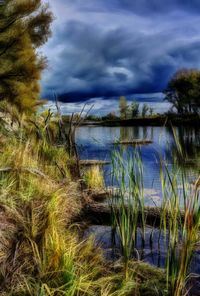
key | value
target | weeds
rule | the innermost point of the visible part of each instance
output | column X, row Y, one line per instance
column 128, row 202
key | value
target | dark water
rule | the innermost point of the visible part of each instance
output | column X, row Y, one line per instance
column 153, row 251
column 97, row 143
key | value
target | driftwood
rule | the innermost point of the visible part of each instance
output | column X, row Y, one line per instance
column 100, row 214
column 134, row 142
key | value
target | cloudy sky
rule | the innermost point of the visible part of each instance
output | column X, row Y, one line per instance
column 107, row 48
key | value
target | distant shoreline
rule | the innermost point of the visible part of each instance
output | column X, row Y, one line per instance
column 157, row 120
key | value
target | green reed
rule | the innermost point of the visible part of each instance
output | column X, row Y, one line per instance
column 127, row 204
column 179, row 213
column 180, row 220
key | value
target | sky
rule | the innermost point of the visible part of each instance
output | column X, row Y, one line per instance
column 101, row 49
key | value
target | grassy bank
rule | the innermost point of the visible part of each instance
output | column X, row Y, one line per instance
column 40, row 198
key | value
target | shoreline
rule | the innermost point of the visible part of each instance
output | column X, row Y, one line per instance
column 160, row 120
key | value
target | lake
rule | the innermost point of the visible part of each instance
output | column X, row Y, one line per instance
column 96, row 142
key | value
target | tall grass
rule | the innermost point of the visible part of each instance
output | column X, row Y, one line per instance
column 40, row 250
column 36, row 209
column 127, row 203
column 179, row 213
column 180, row 219
column 38, row 199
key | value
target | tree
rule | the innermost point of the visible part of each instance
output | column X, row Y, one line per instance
column 134, row 109
column 183, row 91
column 24, row 26
column 123, row 107
column 151, row 111
column 110, row 116
column 145, row 109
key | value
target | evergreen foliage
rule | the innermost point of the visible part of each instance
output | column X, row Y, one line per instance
column 24, row 26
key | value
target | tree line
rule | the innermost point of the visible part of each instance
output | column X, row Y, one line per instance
column 128, row 111
column 182, row 92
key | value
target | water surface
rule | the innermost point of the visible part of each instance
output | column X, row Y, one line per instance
column 96, row 142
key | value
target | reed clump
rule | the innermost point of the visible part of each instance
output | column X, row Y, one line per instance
column 180, row 221
column 128, row 202
column 179, row 218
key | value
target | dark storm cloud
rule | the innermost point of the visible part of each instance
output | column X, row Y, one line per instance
column 140, row 6
column 115, row 47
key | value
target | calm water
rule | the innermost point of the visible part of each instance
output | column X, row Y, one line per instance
column 97, row 143
column 153, row 250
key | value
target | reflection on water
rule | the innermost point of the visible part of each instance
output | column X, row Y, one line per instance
column 153, row 251
column 97, row 143
column 189, row 140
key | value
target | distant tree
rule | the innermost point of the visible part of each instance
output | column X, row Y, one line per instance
column 110, row 116
column 24, row 26
column 151, row 111
column 93, row 117
column 123, row 107
column 134, row 109
column 183, row 91
column 145, row 109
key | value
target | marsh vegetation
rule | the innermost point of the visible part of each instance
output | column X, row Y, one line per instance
column 45, row 189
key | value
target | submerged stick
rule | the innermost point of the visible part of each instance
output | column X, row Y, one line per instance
column 101, row 214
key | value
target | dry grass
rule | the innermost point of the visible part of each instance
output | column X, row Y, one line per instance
column 93, row 178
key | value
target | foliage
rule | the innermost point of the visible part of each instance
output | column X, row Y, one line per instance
column 130, row 201
column 183, row 91
column 24, row 26
column 123, row 107
column 145, row 109
column 37, row 199
column 179, row 215
column 180, row 222
column 151, row 111
column 134, row 109
column 40, row 249
column 110, row 116
column 93, row 117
